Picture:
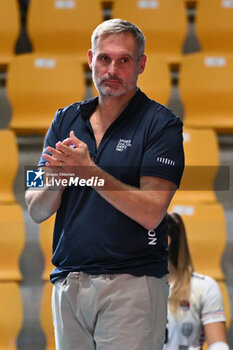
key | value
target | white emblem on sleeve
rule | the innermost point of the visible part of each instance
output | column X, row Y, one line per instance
column 167, row 161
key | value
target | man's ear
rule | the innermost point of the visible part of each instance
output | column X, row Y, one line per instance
column 90, row 57
column 142, row 64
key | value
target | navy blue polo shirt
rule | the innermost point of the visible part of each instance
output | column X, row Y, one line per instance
column 92, row 236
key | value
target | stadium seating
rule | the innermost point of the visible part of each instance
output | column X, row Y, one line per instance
column 12, row 240
column 46, row 238
column 46, row 316
column 38, row 85
column 163, row 22
column 214, row 26
column 11, row 315
column 8, row 166
column 206, row 90
column 9, row 30
column 155, row 81
column 61, row 26
column 201, row 166
column 206, row 231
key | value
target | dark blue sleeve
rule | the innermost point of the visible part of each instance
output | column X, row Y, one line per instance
column 164, row 155
column 51, row 138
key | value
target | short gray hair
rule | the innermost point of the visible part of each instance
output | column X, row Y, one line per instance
column 119, row 26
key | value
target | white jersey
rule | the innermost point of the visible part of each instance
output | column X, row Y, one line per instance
column 185, row 330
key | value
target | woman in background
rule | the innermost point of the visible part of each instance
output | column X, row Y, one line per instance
column 195, row 308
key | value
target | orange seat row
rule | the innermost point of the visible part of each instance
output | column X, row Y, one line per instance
column 65, row 26
column 12, row 241
column 38, row 85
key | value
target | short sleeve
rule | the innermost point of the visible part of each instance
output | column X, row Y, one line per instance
column 51, row 138
column 164, row 155
column 212, row 303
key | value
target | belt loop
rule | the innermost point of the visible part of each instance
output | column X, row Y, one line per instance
column 108, row 277
column 76, row 274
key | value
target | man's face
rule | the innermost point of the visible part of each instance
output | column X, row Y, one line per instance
column 115, row 65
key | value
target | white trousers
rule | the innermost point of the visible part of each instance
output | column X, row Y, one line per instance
column 109, row 312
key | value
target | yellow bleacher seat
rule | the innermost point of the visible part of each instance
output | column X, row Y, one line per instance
column 12, row 240
column 206, row 91
column 214, row 26
column 46, row 238
column 201, row 166
column 155, row 81
column 163, row 23
column 8, row 166
column 9, row 29
column 62, row 26
column 206, row 231
column 11, row 315
column 38, row 85
column 46, row 318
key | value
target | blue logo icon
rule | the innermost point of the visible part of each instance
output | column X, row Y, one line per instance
column 35, row 178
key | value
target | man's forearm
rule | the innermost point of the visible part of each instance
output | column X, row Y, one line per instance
column 43, row 204
column 147, row 205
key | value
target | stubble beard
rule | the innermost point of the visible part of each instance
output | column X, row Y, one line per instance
column 104, row 90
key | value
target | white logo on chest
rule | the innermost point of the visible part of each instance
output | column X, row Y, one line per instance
column 122, row 145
